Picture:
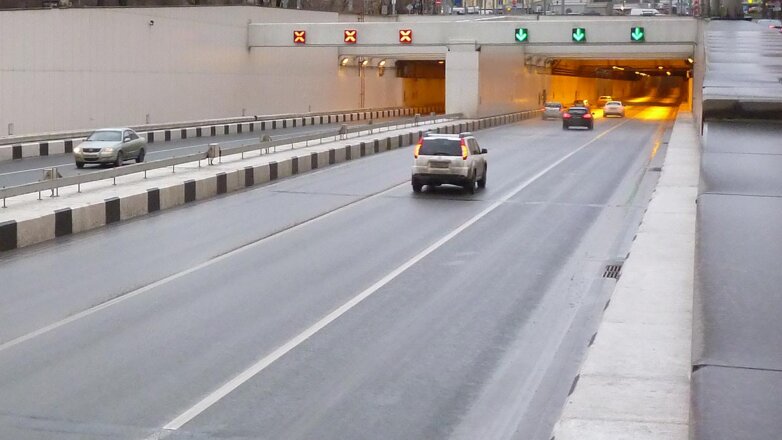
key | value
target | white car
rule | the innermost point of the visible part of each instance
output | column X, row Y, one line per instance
column 454, row 159
column 614, row 108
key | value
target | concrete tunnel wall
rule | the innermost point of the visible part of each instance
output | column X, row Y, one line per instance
column 64, row 69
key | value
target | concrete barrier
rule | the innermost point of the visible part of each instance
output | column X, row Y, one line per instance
column 63, row 146
column 68, row 221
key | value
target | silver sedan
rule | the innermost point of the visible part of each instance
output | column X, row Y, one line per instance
column 110, row 146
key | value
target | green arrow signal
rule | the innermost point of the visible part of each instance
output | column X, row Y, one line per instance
column 522, row 35
column 637, row 34
column 579, row 35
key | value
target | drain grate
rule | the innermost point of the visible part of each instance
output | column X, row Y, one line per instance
column 655, row 169
column 612, row 271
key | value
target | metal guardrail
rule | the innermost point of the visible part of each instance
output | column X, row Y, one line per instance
column 344, row 132
column 8, row 140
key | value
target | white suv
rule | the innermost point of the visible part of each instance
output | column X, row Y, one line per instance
column 454, row 159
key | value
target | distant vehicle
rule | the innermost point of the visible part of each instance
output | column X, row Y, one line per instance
column 552, row 109
column 581, row 103
column 578, row 117
column 604, row 99
column 614, row 108
column 458, row 10
column 110, row 146
column 772, row 24
column 645, row 12
column 454, row 159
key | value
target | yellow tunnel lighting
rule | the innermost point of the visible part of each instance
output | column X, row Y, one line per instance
column 690, row 60
column 365, row 62
column 617, row 68
column 637, row 72
column 441, row 62
column 668, row 73
column 344, row 62
column 659, row 67
column 382, row 63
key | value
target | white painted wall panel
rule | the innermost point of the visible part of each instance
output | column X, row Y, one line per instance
column 81, row 69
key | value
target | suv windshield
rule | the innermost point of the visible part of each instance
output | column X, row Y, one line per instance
column 577, row 111
column 614, row 103
column 105, row 136
column 441, row 147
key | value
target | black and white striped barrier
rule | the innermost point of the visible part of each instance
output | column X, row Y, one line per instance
column 65, row 146
column 68, row 221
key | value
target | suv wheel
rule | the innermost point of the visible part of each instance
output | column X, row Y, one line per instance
column 417, row 186
column 470, row 185
column 482, row 181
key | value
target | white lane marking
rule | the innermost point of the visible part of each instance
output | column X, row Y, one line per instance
column 267, row 360
column 168, row 279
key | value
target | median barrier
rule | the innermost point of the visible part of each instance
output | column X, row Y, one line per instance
column 70, row 220
column 19, row 147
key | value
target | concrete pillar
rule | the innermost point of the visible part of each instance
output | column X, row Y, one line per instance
column 462, row 80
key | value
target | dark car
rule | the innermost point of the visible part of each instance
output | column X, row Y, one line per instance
column 578, row 117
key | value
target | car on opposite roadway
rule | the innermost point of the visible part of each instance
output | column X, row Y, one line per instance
column 771, row 23
column 552, row 109
column 453, row 159
column 578, row 116
column 614, row 108
column 601, row 101
column 110, row 146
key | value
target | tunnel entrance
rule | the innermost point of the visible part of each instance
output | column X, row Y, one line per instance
column 651, row 82
column 423, row 82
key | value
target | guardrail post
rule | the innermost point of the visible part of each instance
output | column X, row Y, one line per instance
column 343, row 131
column 51, row 174
column 416, row 119
column 213, row 152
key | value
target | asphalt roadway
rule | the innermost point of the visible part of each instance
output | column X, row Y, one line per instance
column 29, row 170
column 336, row 304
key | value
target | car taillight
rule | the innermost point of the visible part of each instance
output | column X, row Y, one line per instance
column 418, row 148
column 566, row 115
column 587, row 116
column 465, row 152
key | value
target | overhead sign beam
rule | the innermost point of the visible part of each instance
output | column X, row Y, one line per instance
column 610, row 32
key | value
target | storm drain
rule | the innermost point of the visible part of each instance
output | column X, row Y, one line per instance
column 612, row 271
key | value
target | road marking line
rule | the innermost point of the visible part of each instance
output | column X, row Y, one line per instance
column 267, row 360
column 175, row 276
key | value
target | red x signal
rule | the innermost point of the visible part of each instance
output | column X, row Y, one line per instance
column 300, row 37
column 351, row 36
column 406, row 36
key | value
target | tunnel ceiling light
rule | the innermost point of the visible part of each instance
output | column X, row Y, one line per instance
column 660, row 67
column 668, row 73
column 365, row 62
column 382, row 63
column 690, row 60
column 441, row 62
column 637, row 72
column 618, row 68
column 344, row 62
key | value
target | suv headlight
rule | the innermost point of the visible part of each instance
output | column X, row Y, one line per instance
column 77, row 150
column 107, row 150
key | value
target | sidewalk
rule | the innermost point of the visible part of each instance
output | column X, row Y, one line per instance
column 635, row 381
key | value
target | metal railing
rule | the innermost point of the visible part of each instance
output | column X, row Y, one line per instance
column 55, row 182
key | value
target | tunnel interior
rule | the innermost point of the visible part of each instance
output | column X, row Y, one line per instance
column 567, row 80
column 651, row 82
column 423, row 82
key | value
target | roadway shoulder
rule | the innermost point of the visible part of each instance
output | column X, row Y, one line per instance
column 635, row 381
